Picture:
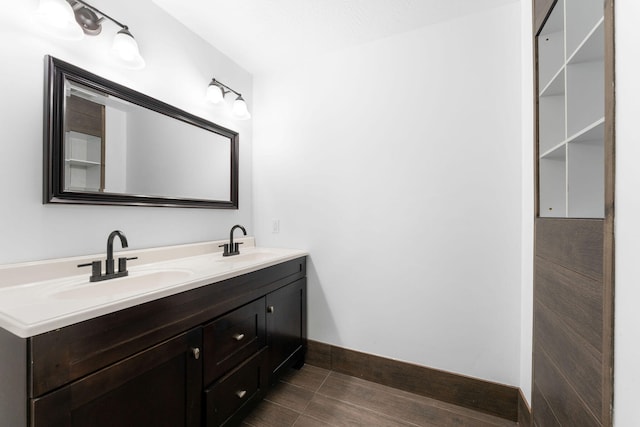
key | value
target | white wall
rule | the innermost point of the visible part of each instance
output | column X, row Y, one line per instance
column 528, row 158
column 627, row 224
column 397, row 164
column 179, row 68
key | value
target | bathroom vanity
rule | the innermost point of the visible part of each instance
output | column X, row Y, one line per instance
column 201, row 349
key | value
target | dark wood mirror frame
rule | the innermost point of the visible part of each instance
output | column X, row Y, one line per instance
column 57, row 72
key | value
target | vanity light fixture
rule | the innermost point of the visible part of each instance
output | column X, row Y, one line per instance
column 73, row 19
column 216, row 92
column 56, row 17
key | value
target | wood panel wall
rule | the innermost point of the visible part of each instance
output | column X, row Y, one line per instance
column 574, row 291
column 568, row 323
column 84, row 116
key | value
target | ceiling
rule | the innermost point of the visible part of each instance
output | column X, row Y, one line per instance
column 262, row 35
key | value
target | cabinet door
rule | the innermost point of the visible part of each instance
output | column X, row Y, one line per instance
column 286, row 327
column 160, row 386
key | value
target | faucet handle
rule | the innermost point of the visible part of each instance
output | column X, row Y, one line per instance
column 236, row 249
column 226, row 249
column 122, row 263
column 96, row 268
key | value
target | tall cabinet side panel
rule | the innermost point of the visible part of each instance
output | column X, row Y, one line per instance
column 13, row 379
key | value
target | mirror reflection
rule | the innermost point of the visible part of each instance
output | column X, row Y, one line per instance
column 107, row 144
column 114, row 146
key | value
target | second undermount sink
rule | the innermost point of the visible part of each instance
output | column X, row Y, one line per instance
column 136, row 283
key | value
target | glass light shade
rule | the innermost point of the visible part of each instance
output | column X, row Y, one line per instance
column 214, row 93
column 125, row 49
column 56, row 17
column 240, row 110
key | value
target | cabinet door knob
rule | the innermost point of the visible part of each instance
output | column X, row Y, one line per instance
column 196, row 352
column 241, row 393
column 271, row 309
column 238, row 337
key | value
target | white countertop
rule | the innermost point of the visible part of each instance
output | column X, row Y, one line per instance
column 42, row 296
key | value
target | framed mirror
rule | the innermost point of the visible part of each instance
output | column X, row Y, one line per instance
column 109, row 145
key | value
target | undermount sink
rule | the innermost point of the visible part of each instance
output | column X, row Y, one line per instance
column 137, row 282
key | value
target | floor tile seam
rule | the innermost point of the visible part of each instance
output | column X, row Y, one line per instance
column 305, row 388
column 323, row 381
column 318, row 420
column 288, row 384
column 360, row 407
column 296, row 420
column 296, row 386
column 348, row 401
column 364, row 408
column 472, row 415
column 403, row 394
column 412, row 396
column 314, row 395
column 450, row 408
column 283, row 406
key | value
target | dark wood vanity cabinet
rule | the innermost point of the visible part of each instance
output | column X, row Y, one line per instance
column 286, row 328
column 244, row 354
column 159, row 386
column 201, row 357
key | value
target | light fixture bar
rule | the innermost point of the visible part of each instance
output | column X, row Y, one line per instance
column 98, row 11
column 73, row 19
column 225, row 89
column 216, row 92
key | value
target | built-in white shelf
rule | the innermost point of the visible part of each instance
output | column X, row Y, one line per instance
column 83, row 189
column 571, row 110
column 593, row 132
column 555, row 86
column 581, row 17
column 83, row 161
column 557, row 152
column 592, row 47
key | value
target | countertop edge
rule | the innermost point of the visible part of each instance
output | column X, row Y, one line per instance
column 27, row 330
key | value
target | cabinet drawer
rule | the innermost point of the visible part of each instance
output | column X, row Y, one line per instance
column 234, row 395
column 232, row 338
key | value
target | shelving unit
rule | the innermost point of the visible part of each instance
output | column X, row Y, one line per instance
column 83, row 162
column 574, row 262
column 571, row 111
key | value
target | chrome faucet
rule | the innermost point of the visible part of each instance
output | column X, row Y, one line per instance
column 110, row 273
column 233, row 248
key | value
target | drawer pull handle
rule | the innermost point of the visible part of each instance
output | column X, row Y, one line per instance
column 271, row 309
column 241, row 393
column 196, row 352
column 238, row 337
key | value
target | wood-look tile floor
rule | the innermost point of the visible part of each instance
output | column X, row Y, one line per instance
column 316, row 397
